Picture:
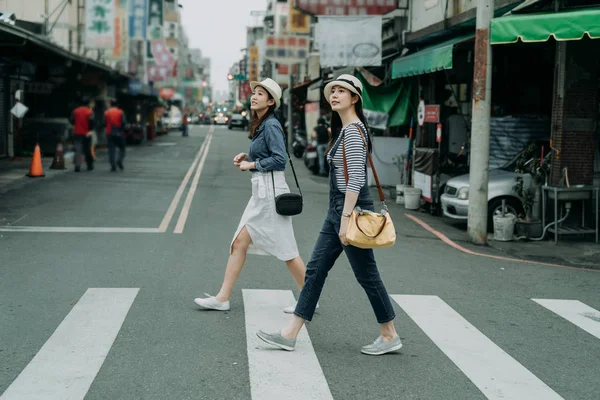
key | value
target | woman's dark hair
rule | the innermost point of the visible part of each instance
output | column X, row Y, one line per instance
column 255, row 121
column 336, row 125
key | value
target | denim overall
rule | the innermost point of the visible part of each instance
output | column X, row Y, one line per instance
column 329, row 247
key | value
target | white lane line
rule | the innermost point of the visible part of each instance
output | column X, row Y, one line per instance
column 164, row 225
column 67, row 364
column 76, row 229
column 491, row 369
column 576, row 312
column 278, row 374
column 185, row 210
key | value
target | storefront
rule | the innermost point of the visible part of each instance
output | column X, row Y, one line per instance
column 50, row 82
column 574, row 93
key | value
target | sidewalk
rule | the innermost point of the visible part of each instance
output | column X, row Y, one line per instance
column 13, row 172
column 581, row 252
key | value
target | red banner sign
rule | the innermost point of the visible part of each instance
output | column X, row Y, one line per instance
column 432, row 114
column 245, row 91
column 347, row 7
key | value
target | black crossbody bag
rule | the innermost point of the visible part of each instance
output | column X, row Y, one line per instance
column 288, row 204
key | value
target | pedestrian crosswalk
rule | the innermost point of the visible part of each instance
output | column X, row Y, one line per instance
column 67, row 364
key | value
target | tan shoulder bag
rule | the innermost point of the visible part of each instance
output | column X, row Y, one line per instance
column 368, row 229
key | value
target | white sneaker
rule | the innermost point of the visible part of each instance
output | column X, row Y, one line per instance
column 211, row 303
column 292, row 308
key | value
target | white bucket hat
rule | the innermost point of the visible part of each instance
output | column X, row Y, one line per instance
column 347, row 81
column 270, row 86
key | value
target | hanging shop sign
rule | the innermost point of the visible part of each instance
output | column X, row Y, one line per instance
column 346, row 7
column 99, row 24
column 349, row 41
column 432, row 113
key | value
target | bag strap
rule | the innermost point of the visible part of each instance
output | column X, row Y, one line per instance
column 293, row 170
column 379, row 189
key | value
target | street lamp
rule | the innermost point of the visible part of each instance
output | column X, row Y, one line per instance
column 230, row 77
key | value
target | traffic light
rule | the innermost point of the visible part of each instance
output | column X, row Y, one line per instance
column 230, row 77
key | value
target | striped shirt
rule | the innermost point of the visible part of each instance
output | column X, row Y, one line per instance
column 356, row 158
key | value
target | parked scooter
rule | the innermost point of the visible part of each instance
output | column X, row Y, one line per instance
column 299, row 143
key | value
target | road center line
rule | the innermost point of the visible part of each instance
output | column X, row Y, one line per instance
column 497, row 375
column 69, row 361
column 277, row 374
column 164, row 225
column 576, row 312
column 185, row 210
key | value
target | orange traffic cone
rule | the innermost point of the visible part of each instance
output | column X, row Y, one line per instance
column 59, row 158
column 36, row 170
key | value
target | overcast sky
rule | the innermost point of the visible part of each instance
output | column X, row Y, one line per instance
column 218, row 28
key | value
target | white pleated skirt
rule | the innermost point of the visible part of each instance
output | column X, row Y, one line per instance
column 272, row 234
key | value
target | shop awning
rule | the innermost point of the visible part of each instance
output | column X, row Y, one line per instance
column 434, row 58
column 539, row 27
column 18, row 42
column 305, row 85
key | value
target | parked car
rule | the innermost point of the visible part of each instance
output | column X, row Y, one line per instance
column 220, row 119
column 501, row 181
column 205, row 119
column 238, row 121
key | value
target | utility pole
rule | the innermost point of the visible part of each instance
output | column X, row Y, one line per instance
column 290, row 135
column 480, row 128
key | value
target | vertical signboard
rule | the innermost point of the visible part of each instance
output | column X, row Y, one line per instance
column 253, row 64
column 155, row 23
column 99, row 24
column 120, row 51
column 138, row 19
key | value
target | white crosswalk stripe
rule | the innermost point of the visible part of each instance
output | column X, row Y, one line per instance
column 276, row 374
column 576, row 312
column 491, row 369
column 67, row 364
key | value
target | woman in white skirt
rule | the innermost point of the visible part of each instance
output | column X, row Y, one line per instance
column 261, row 230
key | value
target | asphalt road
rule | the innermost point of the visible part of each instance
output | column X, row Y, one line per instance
column 97, row 289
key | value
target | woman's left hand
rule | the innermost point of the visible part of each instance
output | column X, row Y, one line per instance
column 343, row 230
column 247, row 166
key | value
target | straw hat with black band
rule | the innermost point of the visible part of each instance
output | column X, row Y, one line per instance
column 346, row 81
column 270, row 86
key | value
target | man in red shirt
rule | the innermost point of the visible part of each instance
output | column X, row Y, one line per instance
column 82, row 119
column 115, row 133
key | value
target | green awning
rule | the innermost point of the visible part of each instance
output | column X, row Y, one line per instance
column 566, row 25
column 391, row 100
column 434, row 58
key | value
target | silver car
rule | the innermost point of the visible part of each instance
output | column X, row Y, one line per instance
column 501, row 181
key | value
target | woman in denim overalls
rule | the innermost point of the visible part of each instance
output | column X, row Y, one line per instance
column 261, row 230
column 345, row 96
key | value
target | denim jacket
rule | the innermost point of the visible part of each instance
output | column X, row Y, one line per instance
column 267, row 147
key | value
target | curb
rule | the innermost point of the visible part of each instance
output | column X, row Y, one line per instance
column 455, row 245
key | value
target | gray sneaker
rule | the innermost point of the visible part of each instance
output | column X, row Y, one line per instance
column 275, row 339
column 379, row 347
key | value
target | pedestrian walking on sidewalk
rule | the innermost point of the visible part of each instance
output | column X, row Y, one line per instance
column 184, row 124
column 83, row 122
column 261, row 230
column 350, row 141
column 116, row 124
